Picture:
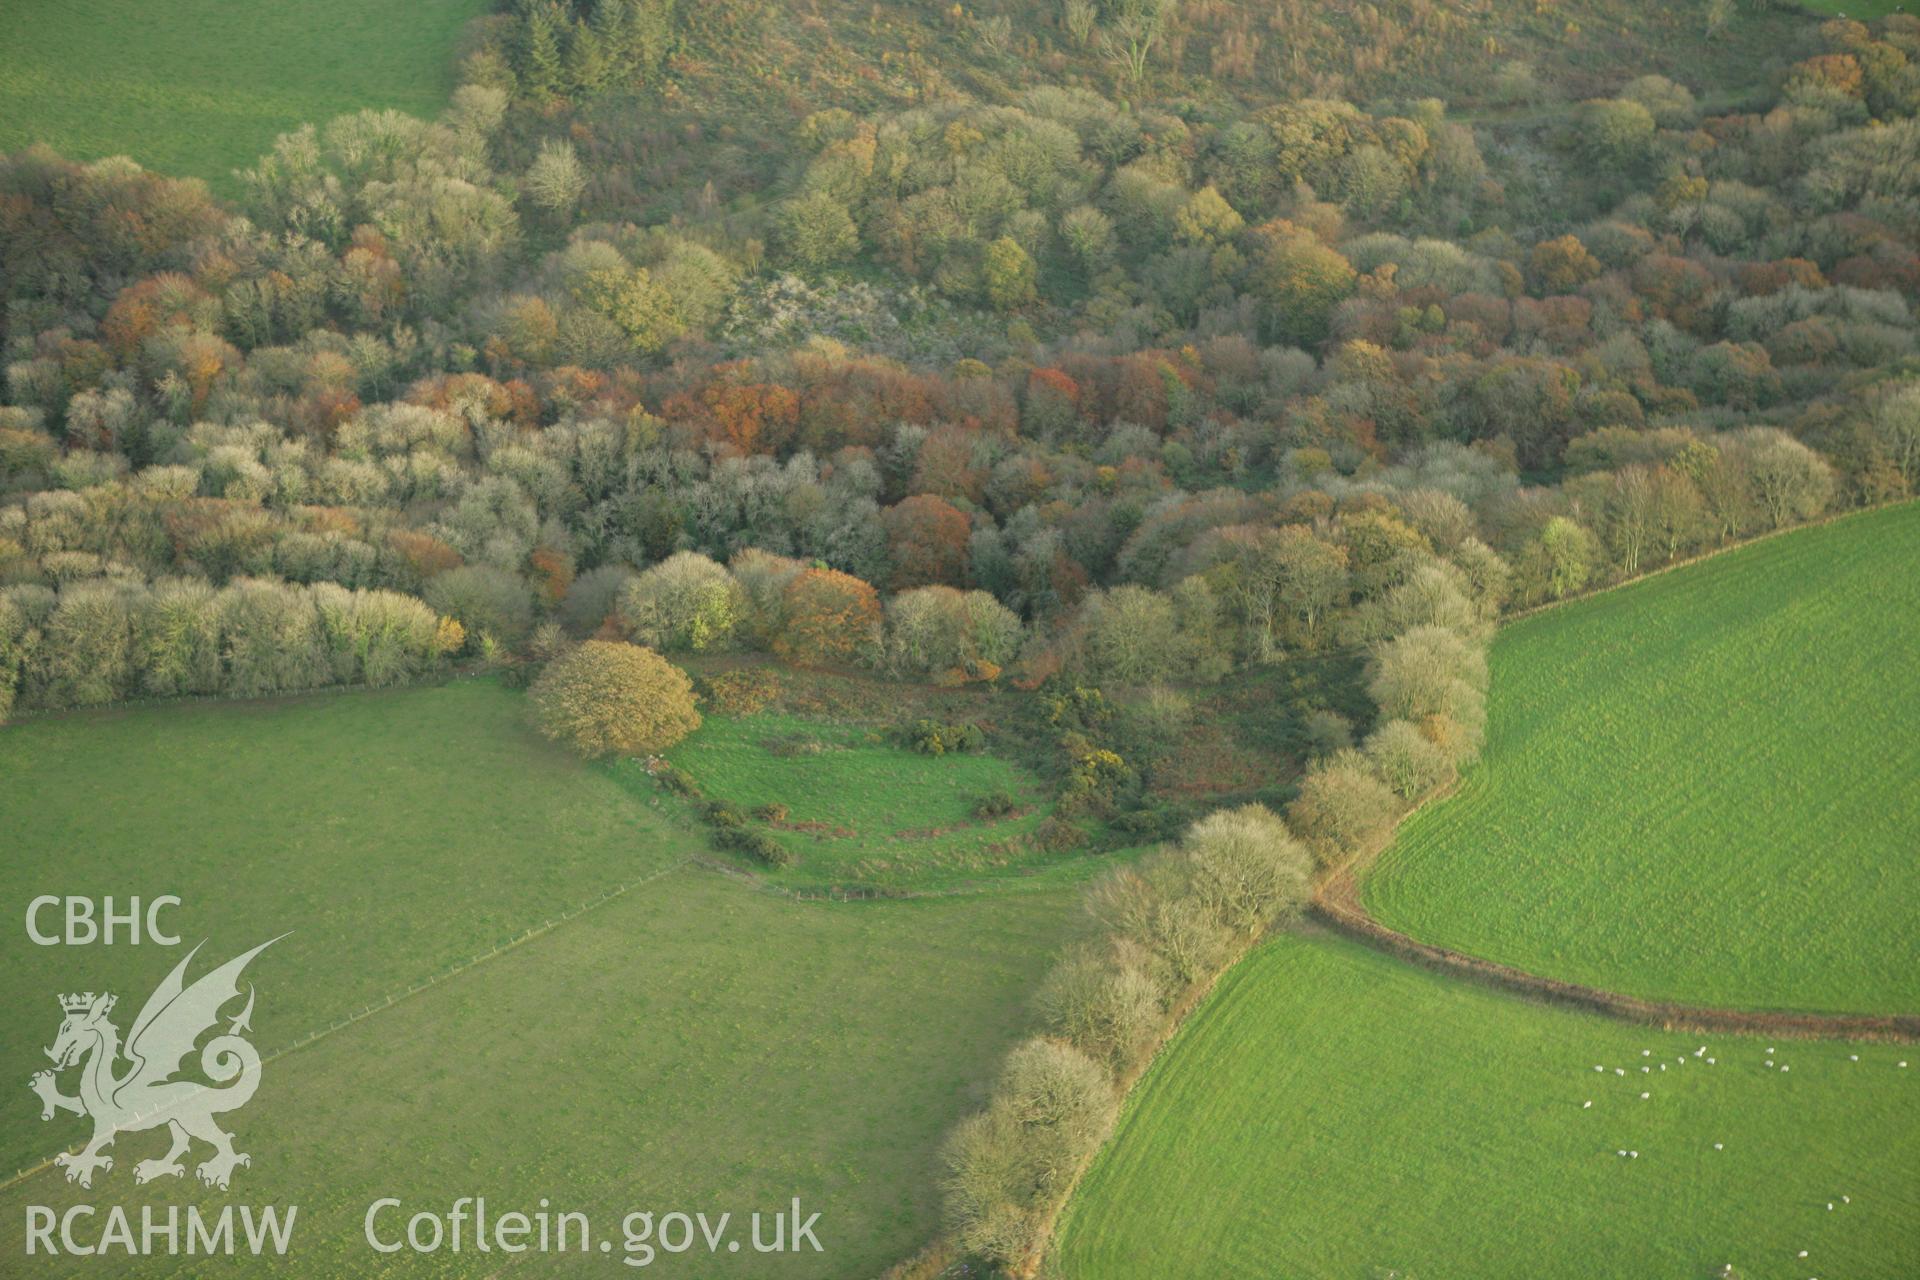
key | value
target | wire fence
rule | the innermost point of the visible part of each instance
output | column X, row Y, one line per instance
column 432, row 980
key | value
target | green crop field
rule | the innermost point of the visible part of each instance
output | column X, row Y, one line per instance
column 1704, row 786
column 1331, row 1112
column 692, row 1043
column 863, row 808
column 199, row 88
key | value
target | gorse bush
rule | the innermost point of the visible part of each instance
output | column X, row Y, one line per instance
column 1057, row 835
column 997, row 804
column 721, row 815
column 938, row 738
column 732, row 828
column 676, row 779
column 755, row 843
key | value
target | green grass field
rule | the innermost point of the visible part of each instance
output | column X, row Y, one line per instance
column 1859, row 10
column 1334, row 1113
column 693, row 1043
column 464, row 829
column 1703, row 787
column 862, row 808
column 199, row 88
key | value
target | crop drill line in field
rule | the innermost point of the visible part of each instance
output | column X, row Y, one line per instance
column 432, row 980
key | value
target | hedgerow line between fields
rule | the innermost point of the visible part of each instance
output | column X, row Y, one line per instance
column 1337, row 902
column 430, row 681
column 432, row 980
column 1700, row 557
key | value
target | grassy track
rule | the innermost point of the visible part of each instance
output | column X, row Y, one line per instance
column 1331, row 1112
column 200, row 87
column 1702, row 787
column 691, row 1044
column 864, row 808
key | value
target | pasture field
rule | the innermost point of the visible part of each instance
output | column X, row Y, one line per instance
column 1333, row 1112
column 1699, row 787
column 861, row 807
column 1858, row 10
column 395, row 834
column 199, row 88
column 692, row 1043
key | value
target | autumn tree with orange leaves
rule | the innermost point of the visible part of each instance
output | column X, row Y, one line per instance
column 751, row 417
column 927, row 539
column 828, row 617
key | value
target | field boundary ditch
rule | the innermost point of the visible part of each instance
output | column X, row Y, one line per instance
column 1337, row 903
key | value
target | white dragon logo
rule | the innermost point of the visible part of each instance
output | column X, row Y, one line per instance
column 147, row 1095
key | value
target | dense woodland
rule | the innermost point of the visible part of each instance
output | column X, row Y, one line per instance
column 1092, row 361
column 1149, row 367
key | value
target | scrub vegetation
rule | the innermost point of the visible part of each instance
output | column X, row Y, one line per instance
column 989, row 458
